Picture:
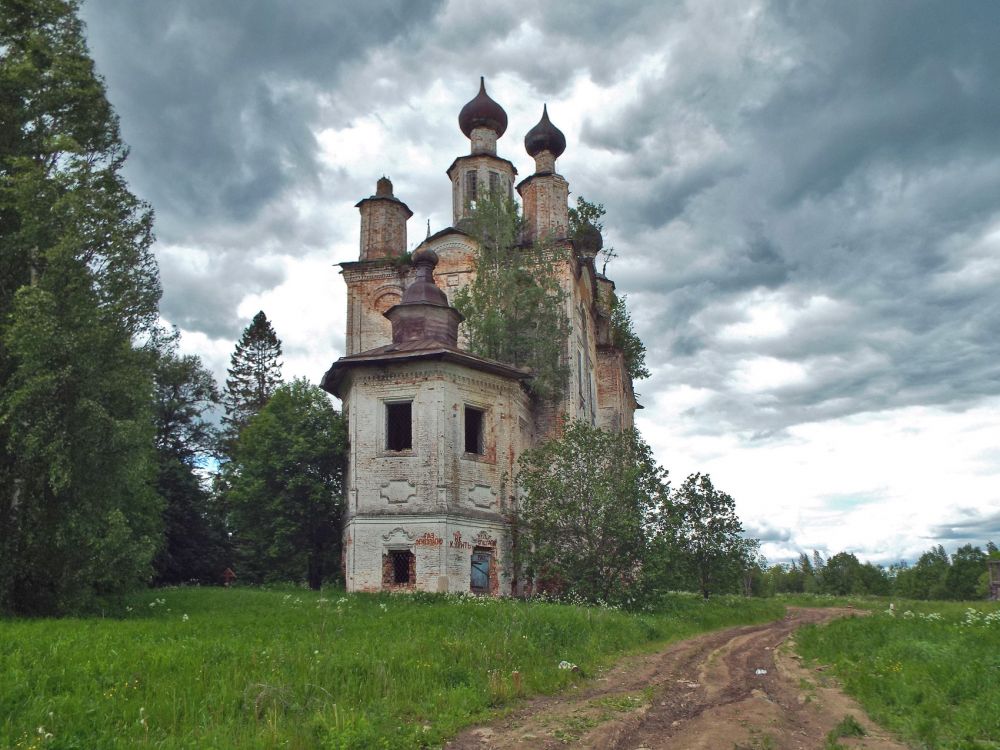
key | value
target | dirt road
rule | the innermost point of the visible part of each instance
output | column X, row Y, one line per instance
column 736, row 689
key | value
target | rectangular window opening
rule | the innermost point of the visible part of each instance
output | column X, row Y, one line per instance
column 399, row 426
column 495, row 183
column 471, row 188
column 474, row 430
column 400, row 565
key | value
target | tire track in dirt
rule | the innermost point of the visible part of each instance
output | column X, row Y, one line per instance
column 735, row 689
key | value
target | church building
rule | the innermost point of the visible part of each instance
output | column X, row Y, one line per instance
column 435, row 430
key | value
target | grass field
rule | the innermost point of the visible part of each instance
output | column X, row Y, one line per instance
column 930, row 672
column 290, row 668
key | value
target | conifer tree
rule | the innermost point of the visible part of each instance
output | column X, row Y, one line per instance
column 254, row 376
column 195, row 543
column 79, row 290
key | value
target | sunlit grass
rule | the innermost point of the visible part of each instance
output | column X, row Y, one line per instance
column 929, row 670
column 252, row 668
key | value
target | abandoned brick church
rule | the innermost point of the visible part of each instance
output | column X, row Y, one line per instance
column 435, row 431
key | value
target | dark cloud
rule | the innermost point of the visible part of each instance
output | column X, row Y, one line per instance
column 220, row 100
column 866, row 173
column 839, row 161
column 969, row 525
column 766, row 532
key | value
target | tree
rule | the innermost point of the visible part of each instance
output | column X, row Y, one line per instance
column 286, row 487
column 195, row 543
column 79, row 291
column 254, row 375
column 926, row 579
column 584, row 221
column 707, row 535
column 589, row 500
column 585, row 228
column 624, row 337
column 842, row 575
column 515, row 308
column 967, row 565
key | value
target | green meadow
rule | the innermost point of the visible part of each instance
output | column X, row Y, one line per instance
column 930, row 671
column 292, row 668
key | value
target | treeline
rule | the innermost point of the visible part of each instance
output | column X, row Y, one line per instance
column 935, row 575
column 106, row 432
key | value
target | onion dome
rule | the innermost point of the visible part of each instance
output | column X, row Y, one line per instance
column 545, row 137
column 423, row 290
column 588, row 240
column 482, row 112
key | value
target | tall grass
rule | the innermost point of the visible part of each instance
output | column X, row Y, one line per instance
column 252, row 668
column 929, row 670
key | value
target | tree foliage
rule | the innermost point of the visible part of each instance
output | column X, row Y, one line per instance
column 584, row 219
column 589, row 499
column 704, row 537
column 624, row 337
column 515, row 307
column 194, row 534
column 254, row 375
column 286, row 488
column 79, row 291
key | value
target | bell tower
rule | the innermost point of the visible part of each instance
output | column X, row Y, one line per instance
column 545, row 194
column 482, row 121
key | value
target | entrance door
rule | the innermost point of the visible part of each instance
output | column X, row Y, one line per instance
column 480, row 578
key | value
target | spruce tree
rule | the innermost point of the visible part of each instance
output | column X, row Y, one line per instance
column 254, row 375
column 195, row 544
column 79, row 290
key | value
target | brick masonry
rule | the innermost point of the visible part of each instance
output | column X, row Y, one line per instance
column 434, row 500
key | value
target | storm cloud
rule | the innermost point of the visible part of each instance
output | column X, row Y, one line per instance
column 804, row 199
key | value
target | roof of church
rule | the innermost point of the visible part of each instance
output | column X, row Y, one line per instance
column 410, row 351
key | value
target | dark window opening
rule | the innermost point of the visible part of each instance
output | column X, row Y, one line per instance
column 400, row 559
column 399, row 426
column 495, row 183
column 471, row 187
column 473, row 430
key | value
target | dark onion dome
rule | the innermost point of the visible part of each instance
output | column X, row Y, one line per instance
column 482, row 112
column 545, row 137
column 423, row 290
column 588, row 240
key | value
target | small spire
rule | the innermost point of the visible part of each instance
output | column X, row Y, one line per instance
column 428, row 229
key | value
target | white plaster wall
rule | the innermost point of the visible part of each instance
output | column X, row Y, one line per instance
column 442, row 544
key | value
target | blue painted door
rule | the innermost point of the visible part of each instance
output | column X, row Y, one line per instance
column 480, row 572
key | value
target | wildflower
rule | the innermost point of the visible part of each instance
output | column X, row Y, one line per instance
column 383, row 607
column 185, row 618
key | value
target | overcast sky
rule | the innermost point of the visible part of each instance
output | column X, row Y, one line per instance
column 804, row 199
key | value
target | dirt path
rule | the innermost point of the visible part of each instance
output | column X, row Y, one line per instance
column 701, row 693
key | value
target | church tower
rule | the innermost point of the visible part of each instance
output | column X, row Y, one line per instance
column 435, row 431
column 482, row 121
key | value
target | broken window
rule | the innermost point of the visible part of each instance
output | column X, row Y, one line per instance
column 399, row 426
column 495, row 182
column 471, row 188
column 479, row 578
column 474, row 430
column 401, row 567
